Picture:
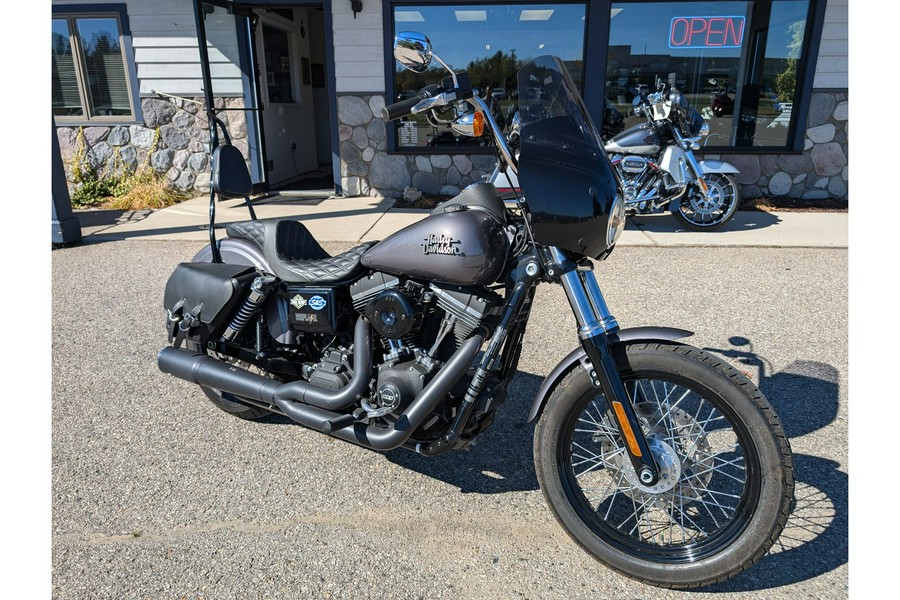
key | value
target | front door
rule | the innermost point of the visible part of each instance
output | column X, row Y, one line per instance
column 290, row 53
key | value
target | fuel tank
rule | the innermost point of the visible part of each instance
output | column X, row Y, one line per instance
column 458, row 245
column 640, row 139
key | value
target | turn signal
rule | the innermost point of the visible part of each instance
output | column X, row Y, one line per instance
column 478, row 124
column 626, row 429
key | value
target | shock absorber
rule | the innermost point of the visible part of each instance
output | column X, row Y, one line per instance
column 259, row 290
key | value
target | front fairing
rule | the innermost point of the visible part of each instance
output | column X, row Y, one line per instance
column 565, row 174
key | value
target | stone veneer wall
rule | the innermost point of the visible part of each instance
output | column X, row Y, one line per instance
column 181, row 152
column 820, row 172
column 368, row 170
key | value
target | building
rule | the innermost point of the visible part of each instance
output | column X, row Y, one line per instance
column 300, row 85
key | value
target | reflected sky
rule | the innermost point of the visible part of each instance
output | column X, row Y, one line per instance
column 460, row 34
column 91, row 30
column 645, row 26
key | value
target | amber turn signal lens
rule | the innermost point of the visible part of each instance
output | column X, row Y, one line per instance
column 626, row 429
column 478, row 124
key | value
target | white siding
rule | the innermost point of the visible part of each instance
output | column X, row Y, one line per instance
column 832, row 65
column 166, row 54
column 359, row 48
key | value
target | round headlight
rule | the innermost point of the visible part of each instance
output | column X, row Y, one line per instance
column 616, row 223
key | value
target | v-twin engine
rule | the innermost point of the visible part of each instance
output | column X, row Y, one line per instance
column 640, row 178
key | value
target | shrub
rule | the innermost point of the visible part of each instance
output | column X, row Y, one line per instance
column 121, row 186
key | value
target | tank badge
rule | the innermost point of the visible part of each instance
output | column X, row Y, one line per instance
column 298, row 301
column 441, row 244
column 317, row 302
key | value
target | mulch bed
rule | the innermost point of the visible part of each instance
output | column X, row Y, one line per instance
column 781, row 204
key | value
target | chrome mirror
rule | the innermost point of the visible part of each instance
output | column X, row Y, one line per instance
column 470, row 124
column 413, row 51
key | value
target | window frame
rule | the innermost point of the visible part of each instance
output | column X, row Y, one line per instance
column 389, row 66
column 106, row 11
column 596, row 43
column 806, row 68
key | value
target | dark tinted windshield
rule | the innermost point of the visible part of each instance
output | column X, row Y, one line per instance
column 568, row 183
column 547, row 93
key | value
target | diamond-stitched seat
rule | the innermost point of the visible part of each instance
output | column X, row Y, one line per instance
column 293, row 253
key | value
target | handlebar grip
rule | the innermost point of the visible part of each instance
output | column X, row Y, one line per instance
column 403, row 108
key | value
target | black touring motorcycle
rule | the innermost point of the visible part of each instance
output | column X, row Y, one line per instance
column 658, row 459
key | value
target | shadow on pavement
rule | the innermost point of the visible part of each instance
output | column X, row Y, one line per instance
column 748, row 220
column 806, row 396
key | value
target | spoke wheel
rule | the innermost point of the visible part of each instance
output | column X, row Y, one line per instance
column 725, row 483
column 699, row 212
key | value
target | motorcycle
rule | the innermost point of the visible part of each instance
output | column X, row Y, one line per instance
column 660, row 460
column 656, row 167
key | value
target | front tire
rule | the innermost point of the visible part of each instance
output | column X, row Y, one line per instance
column 726, row 472
column 701, row 213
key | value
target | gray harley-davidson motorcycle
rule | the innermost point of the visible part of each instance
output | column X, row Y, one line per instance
column 658, row 170
column 659, row 459
column 656, row 167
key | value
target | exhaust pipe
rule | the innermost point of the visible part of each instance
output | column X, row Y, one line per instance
column 199, row 368
column 196, row 367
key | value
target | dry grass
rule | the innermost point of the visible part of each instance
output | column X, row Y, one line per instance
column 155, row 194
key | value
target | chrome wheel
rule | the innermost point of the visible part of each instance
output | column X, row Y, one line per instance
column 699, row 211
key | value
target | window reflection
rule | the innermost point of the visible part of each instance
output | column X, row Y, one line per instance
column 66, row 99
column 721, row 55
column 490, row 42
column 106, row 85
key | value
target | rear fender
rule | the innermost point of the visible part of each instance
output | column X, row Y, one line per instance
column 579, row 357
column 236, row 251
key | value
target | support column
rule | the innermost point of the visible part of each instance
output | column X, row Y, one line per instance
column 64, row 225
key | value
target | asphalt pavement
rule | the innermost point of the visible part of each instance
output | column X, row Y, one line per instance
column 158, row 494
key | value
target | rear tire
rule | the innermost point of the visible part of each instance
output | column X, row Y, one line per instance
column 726, row 471
column 229, row 402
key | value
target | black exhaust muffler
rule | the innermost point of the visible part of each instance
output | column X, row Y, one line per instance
column 197, row 367
column 315, row 407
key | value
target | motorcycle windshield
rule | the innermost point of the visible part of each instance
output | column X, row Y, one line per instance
column 564, row 172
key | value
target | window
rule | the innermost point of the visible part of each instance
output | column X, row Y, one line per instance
column 279, row 71
column 90, row 78
column 490, row 42
column 736, row 62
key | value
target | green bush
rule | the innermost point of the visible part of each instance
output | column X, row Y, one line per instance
column 121, row 187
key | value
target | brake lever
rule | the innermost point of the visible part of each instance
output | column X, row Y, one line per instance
column 433, row 102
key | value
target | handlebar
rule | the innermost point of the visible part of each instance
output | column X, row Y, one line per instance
column 401, row 109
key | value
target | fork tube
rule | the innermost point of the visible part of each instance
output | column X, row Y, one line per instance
column 595, row 325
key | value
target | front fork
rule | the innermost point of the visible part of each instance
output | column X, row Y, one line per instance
column 595, row 325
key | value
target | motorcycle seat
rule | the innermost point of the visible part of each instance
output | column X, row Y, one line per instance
column 293, row 253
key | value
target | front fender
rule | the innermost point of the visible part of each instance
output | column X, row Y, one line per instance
column 717, row 166
column 578, row 356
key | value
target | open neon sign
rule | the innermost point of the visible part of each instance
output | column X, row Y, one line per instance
column 706, row 32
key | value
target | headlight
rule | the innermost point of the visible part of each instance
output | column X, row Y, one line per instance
column 616, row 223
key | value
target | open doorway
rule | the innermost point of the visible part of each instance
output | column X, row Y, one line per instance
column 290, row 51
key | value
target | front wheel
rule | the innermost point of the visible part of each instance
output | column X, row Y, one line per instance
column 702, row 213
column 726, row 472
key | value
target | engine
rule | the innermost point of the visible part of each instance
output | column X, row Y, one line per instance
column 640, row 179
column 419, row 326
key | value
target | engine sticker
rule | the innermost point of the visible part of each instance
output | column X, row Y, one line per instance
column 441, row 244
column 317, row 302
column 298, row 301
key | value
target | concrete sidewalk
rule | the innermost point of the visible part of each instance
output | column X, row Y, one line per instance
column 362, row 219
